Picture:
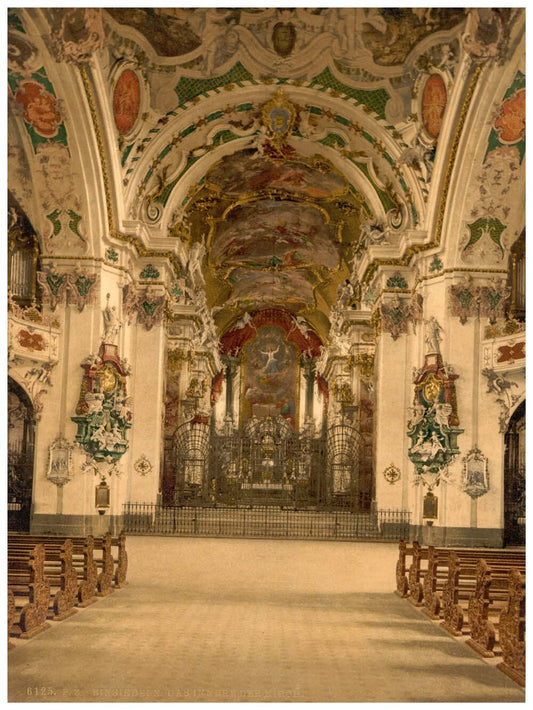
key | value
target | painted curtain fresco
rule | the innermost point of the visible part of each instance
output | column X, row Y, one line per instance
column 270, row 376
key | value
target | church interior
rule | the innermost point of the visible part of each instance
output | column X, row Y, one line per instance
column 271, row 293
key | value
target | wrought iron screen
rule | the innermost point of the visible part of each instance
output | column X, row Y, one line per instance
column 268, row 463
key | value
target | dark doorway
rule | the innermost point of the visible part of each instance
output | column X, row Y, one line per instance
column 515, row 479
column 20, row 448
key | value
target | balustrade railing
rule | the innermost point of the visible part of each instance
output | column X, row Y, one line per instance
column 265, row 522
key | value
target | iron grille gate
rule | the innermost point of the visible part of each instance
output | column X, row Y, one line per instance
column 265, row 522
column 268, row 464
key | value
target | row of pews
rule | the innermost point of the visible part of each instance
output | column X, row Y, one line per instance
column 48, row 576
column 477, row 594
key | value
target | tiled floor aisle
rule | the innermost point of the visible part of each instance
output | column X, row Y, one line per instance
column 253, row 620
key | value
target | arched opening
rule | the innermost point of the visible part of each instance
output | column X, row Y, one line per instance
column 191, row 446
column 515, row 479
column 20, row 456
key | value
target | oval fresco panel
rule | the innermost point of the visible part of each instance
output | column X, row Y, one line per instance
column 434, row 99
column 244, row 174
column 126, row 101
column 274, row 234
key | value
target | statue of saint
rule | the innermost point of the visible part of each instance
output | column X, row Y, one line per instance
column 433, row 336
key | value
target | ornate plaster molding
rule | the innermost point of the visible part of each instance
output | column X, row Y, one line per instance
column 501, row 386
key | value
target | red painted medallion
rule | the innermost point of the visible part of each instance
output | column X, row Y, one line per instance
column 40, row 108
column 126, row 101
column 434, row 101
column 511, row 123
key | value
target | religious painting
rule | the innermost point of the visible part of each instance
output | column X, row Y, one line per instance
column 275, row 234
column 40, row 108
column 253, row 290
column 167, row 29
column 511, row 123
column 126, row 101
column 434, row 100
column 270, row 376
column 402, row 28
column 244, row 173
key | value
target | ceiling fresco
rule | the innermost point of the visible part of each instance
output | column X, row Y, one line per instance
column 255, row 289
column 248, row 172
column 283, row 144
column 210, row 37
column 278, row 231
column 269, row 233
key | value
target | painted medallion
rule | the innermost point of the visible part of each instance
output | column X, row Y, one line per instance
column 126, row 101
column 434, row 100
column 511, row 123
column 40, row 108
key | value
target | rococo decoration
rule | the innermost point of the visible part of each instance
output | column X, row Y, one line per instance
column 143, row 465
column 59, row 461
column 392, row 474
column 475, row 476
column 102, row 412
column 433, row 426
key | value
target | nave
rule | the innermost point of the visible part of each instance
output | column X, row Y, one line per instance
column 214, row 620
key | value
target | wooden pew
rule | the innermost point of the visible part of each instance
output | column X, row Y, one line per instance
column 11, row 615
column 402, row 584
column 437, row 572
column 461, row 583
column 434, row 579
column 512, row 630
column 83, row 564
column 486, row 604
column 120, row 562
column 58, row 569
column 33, row 590
column 416, row 573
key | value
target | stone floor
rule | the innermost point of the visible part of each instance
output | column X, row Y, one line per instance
column 218, row 620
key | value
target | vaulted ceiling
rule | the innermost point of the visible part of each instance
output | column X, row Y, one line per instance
column 272, row 137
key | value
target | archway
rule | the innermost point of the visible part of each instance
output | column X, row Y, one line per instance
column 20, row 457
column 515, row 479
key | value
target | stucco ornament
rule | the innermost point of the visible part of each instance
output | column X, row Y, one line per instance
column 502, row 387
column 79, row 34
column 433, row 424
column 484, row 34
column 392, row 474
column 475, row 475
column 103, row 415
column 60, row 461
column 143, row 465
